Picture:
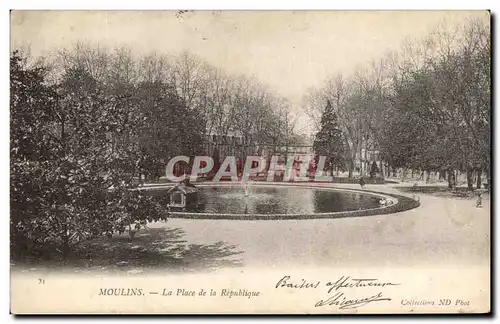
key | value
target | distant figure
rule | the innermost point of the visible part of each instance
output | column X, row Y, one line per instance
column 479, row 202
column 415, row 186
column 362, row 182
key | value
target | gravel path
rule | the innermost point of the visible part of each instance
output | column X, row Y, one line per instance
column 442, row 231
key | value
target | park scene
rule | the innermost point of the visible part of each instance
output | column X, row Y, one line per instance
column 126, row 160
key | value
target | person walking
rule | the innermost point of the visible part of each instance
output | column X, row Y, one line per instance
column 479, row 202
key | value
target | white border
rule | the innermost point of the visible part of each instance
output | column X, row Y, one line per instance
column 255, row 4
column 188, row 4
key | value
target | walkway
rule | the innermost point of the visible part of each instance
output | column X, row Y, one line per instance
column 442, row 231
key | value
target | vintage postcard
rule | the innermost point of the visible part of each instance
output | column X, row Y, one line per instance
column 250, row 162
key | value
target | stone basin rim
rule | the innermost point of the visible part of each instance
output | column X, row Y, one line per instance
column 275, row 216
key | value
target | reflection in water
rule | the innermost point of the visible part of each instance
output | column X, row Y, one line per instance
column 280, row 200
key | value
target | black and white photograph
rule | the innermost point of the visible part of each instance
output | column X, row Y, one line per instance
column 250, row 161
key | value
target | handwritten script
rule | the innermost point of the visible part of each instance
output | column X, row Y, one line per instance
column 337, row 290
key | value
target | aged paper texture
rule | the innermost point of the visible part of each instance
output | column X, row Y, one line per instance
column 250, row 162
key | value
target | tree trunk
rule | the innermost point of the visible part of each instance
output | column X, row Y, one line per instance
column 478, row 180
column 360, row 161
column 367, row 164
column 131, row 231
column 351, row 168
column 488, row 177
column 65, row 248
column 451, row 178
column 65, row 245
column 470, row 185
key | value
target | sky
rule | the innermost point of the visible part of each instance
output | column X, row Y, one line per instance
column 289, row 51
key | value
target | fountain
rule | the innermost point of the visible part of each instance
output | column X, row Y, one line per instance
column 270, row 200
column 247, row 189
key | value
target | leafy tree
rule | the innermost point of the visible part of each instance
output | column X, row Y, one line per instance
column 374, row 170
column 30, row 155
column 167, row 127
column 69, row 180
column 329, row 140
column 427, row 110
